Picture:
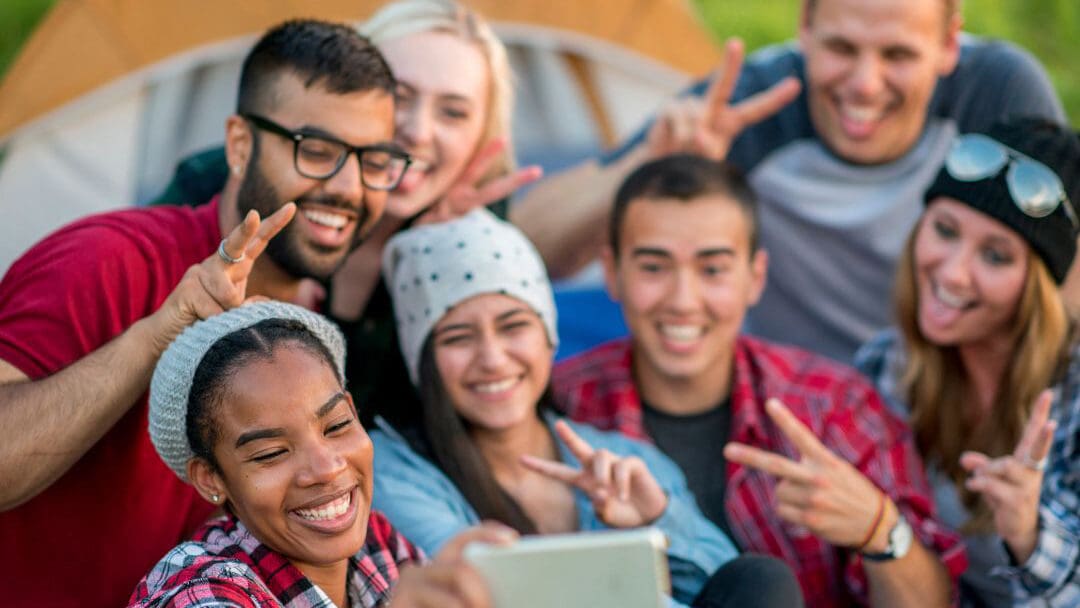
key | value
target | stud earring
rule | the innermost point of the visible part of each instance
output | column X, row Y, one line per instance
column 237, row 170
column 214, row 498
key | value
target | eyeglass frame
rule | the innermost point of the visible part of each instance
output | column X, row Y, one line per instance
column 261, row 122
column 1011, row 156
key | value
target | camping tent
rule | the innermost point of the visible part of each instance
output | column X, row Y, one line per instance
column 107, row 95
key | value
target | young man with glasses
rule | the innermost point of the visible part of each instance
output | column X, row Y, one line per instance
column 793, row 455
column 84, row 314
column 838, row 135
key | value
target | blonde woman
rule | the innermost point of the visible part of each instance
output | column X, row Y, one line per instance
column 983, row 333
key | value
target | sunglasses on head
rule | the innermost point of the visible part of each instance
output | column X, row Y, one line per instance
column 1035, row 188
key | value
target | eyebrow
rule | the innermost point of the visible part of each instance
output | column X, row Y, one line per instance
column 703, row 253
column 324, row 409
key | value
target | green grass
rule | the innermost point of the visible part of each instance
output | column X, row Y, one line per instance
column 1049, row 28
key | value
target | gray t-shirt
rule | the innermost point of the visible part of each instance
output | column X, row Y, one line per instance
column 834, row 230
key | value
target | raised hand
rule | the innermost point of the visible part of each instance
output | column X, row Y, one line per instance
column 468, row 193
column 449, row 580
column 217, row 284
column 820, row 491
column 622, row 490
column 709, row 124
column 1011, row 484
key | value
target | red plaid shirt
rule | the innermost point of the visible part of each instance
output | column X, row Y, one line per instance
column 834, row 401
column 226, row 565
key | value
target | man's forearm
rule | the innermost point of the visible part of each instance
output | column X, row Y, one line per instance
column 918, row 579
column 48, row 424
column 566, row 215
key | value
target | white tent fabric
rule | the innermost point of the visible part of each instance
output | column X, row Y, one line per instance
column 118, row 144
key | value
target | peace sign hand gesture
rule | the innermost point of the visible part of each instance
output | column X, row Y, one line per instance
column 820, row 491
column 623, row 491
column 1011, row 484
column 708, row 125
column 219, row 282
column 467, row 192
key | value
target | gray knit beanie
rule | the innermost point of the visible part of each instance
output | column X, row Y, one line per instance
column 170, row 388
column 430, row 269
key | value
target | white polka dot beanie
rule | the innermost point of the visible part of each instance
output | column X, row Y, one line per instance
column 430, row 269
column 170, row 387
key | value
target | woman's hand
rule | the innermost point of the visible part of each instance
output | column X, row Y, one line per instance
column 467, row 193
column 449, row 580
column 1010, row 485
column 623, row 491
column 820, row 491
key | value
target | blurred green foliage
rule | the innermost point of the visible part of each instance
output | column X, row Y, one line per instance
column 1049, row 28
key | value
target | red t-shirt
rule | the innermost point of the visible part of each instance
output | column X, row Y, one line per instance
column 88, row 538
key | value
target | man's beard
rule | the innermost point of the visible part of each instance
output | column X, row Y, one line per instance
column 286, row 249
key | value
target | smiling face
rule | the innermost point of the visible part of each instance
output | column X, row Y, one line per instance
column 494, row 358
column 294, row 463
column 442, row 105
column 970, row 272
column 871, row 69
column 685, row 276
column 333, row 213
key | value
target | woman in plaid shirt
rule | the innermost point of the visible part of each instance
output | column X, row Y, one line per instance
column 249, row 407
column 983, row 331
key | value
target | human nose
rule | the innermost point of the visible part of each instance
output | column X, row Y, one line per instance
column 685, row 291
column 347, row 183
column 414, row 123
column 322, row 466
column 491, row 352
column 955, row 269
column 867, row 76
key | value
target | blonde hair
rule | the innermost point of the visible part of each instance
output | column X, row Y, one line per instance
column 405, row 17
column 938, row 387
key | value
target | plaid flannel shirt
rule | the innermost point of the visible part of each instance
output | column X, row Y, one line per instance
column 1051, row 576
column 226, row 565
column 837, row 404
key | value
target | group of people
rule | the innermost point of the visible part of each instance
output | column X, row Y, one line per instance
column 328, row 362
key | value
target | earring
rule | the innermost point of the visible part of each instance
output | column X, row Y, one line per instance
column 214, row 498
column 237, row 170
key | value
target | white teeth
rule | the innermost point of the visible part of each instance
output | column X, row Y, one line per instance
column 323, row 218
column 495, row 387
column 949, row 299
column 860, row 114
column 682, row 332
column 330, row 510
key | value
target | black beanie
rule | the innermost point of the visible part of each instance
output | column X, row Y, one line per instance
column 1052, row 237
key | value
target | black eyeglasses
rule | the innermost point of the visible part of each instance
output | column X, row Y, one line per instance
column 321, row 156
column 1035, row 188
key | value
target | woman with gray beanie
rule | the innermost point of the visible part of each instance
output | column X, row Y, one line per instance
column 249, row 406
column 985, row 362
column 476, row 323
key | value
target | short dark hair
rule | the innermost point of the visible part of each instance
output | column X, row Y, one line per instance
column 683, row 177
column 331, row 55
column 223, row 359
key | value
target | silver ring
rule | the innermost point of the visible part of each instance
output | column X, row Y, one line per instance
column 225, row 254
column 1034, row 465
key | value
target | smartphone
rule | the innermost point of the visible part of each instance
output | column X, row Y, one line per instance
column 616, row 568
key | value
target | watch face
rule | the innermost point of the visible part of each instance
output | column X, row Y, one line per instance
column 900, row 538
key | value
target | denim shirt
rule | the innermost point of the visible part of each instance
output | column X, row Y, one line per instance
column 425, row 505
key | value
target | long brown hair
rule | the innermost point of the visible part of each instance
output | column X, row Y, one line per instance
column 938, row 387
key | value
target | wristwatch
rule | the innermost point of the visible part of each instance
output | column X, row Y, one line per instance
column 900, row 538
